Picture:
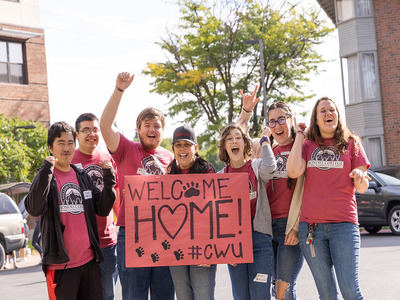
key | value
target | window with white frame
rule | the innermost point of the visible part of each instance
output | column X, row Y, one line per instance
column 374, row 151
column 370, row 84
column 344, row 9
column 348, row 9
column 352, row 82
column 360, row 77
column 12, row 66
column 364, row 8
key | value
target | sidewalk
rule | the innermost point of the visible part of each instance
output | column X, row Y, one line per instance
column 26, row 261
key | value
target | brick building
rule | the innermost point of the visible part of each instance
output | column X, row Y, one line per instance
column 369, row 41
column 23, row 74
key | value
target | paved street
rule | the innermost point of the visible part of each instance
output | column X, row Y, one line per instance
column 379, row 274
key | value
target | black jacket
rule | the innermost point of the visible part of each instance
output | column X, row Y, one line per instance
column 43, row 200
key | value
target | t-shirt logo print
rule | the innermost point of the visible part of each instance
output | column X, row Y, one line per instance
column 96, row 174
column 280, row 171
column 325, row 159
column 152, row 166
column 71, row 199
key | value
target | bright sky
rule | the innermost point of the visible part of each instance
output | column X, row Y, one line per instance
column 89, row 42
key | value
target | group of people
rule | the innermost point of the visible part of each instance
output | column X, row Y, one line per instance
column 302, row 203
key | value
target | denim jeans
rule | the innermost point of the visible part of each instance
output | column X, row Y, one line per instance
column 194, row 282
column 136, row 282
column 337, row 250
column 253, row 281
column 109, row 272
column 288, row 260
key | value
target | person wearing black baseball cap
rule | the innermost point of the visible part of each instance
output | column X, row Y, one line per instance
column 190, row 282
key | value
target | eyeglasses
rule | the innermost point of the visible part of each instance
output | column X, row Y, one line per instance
column 237, row 139
column 87, row 131
column 281, row 120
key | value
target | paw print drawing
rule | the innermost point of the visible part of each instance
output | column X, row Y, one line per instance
column 191, row 190
column 155, row 257
column 178, row 254
column 140, row 251
column 166, row 245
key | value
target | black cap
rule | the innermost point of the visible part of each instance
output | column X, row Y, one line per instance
column 184, row 133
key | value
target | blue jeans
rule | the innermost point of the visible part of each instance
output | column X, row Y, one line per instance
column 253, row 281
column 109, row 272
column 136, row 282
column 288, row 260
column 194, row 282
column 337, row 250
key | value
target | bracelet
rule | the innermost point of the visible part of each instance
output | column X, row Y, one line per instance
column 264, row 139
column 302, row 132
column 249, row 112
column 118, row 89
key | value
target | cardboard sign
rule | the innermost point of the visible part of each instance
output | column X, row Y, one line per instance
column 187, row 219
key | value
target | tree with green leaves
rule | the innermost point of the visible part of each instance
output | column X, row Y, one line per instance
column 22, row 149
column 207, row 62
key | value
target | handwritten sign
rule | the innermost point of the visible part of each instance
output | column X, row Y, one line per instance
column 187, row 219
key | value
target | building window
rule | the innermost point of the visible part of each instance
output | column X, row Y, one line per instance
column 360, row 78
column 348, row 9
column 12, row 62
column 374, row 151
column 369, row 76
column 364, row 8
column 352, row 85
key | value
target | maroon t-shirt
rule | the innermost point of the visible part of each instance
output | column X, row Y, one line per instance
column 75, row 235
column 253, row 183
column 279, row 195
column 328, row 190
column 132, row 159
column 90, row 163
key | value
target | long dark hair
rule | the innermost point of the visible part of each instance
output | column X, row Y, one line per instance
column 286, row 108
column 200, row 165
column 342, row 133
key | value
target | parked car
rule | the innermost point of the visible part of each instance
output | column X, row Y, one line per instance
column 380, row 205
column 12, row 232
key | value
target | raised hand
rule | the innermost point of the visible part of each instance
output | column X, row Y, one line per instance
column 52, row 160
column 249, row 101
column 266, row 132
column 299, row 126
column 124, row 80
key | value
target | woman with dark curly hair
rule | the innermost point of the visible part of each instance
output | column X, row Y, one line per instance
column 251, row 280
column 335, row 164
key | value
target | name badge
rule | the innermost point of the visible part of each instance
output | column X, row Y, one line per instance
column 79, row 166
column 87, row 194
column 263, row 278
column 285, row 153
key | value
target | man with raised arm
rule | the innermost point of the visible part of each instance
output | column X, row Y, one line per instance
column 143, row 158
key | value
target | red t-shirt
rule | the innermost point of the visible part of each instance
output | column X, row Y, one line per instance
column 132, row 159
column 90, row 163
column 279, row 195
column 328, row 190
column 253, row 183
column 75, row 235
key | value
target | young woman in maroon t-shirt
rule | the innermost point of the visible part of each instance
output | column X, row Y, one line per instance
column 335, row 164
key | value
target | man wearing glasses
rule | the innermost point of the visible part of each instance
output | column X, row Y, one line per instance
column 87, row 157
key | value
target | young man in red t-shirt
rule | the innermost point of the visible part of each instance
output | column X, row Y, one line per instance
column 144, row 158
column 67, row 201
column 88, row 157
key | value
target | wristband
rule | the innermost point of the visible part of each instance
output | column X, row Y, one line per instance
column 302, row 132
column 118, row 89
column 264, row 139
column 249, row 112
